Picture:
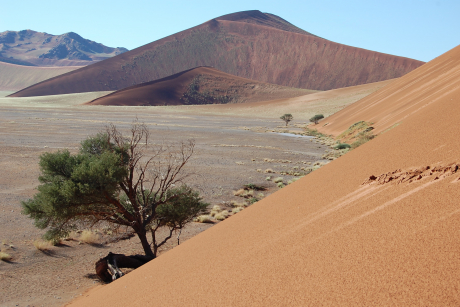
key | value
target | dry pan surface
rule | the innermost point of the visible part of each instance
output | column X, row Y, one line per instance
column 31, row 127
column 333, row 238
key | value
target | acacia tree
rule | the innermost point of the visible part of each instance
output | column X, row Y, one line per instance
column 121, row 180
column 315, row 119
column 287, row 118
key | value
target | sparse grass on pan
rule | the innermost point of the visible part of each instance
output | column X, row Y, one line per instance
column 203, row 219
column 221, row 215
column 5, row 257
column 42, row 245
column 89, row 237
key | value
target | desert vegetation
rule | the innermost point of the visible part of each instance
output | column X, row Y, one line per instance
column 113, row 180
column 287, row 118
column 315, row 119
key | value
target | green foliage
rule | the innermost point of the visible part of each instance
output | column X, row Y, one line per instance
column 106, row 181
column 342, row 146
column 361, row 139
column 316, row 118
column 287, row 118
column 182, row 206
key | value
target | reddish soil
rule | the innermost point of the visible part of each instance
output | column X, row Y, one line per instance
column 244, row 48
column 203, row 85
column 228, row 154
column 327, row 239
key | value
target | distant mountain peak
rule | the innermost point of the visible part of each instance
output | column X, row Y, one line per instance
column 43, row 49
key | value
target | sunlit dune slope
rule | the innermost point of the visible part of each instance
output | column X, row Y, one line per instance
column 202, row 85
column 15, row 77
column 335, row 237
column 402, row 98
column 251, row 44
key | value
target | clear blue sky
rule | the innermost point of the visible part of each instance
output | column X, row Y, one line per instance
column 418, row 29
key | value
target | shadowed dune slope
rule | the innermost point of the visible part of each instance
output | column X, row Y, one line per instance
column 333, row 238
column 243, row 48
column 402, row 98
column 203, row 85
column 14, row 77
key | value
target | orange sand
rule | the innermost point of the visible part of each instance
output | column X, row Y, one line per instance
column 328, row 239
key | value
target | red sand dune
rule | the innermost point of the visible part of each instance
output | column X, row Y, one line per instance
column 337, row 237
column 251, row 45
column 202, row 85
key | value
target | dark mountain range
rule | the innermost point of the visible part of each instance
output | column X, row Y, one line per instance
column 43, row 49
column 249, row 44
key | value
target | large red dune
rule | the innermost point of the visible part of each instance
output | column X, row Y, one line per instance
column 378, row 226
column 250, row 44
column 202, row 85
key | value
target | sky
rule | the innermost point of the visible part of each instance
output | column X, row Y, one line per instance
column 418, row 29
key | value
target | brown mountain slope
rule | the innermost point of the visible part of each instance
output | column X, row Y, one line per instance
column 14, row 77
column 402, row 98
column 249, row 50
column 69, row 49
column 333, row 238
column 202, row 85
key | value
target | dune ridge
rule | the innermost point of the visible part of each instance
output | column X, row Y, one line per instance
column 242, row 48
column 202, row 85
column 327, row 239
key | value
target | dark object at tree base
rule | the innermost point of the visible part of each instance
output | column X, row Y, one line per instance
column 108, row 268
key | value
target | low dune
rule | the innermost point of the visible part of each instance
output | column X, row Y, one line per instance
column 201, row 85
column 15, row 77
column 53, row 101
column 378, row 226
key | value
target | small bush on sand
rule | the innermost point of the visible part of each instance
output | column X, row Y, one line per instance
column 221, row 215
column 253, row 200
column 269, row 170
column 278, row 180
column 203, row 219
column 280, row 185
column 268, row 178
column 342, row 146
column 362, row 138
column 89, row 237
column 5, row 257
column 42, row 245
column 315, row 119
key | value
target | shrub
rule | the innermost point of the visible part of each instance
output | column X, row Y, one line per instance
column 315, row 119
column 215, row 210
column 203, row 219
column 42, row 245
column 222, row 215
column 278, row 180
column 342, row 146
column 89, row 237
column 237, row 209
column 269, row 170
column 287, row 118
column 280, row 185
column 253, row 200
column 5, row 257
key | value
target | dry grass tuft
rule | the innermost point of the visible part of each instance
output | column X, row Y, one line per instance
column 203, row 219
column 42, row 245
column 221, row 215
column 237, row 209
column 240, row 192
column 5, row 257
column 215, row 210
column 269, row 170
column 278, row 180
column 89, row 237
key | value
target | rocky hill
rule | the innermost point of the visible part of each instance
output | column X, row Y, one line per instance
column 43, row 49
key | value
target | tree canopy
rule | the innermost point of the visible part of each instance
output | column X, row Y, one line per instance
column 120, row 180
column 287, row 118
column 315, row 119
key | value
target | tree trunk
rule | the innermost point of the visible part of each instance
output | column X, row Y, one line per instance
column 145, row 243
